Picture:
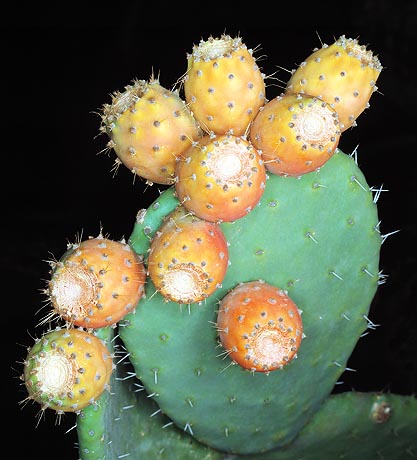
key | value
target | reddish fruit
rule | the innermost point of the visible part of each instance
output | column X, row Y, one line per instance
column 96, row 282
column 188, row 257
column 259, row 326
column 221, row 178
column 67, row 370
column 296, row 134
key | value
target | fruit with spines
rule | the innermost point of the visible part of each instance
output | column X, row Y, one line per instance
column 221, row 178
column 223, row 85
column 343, row 74
column 295, row 133
column 149, row 128
column 259, row 326
column 188, row 257
column 67, row 369
column 96, row 282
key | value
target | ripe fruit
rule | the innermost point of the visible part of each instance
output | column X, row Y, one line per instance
column 342, row 74
column 259, row 326
column 223, row 86
column 96, row 282
column 221, row 178
column 188, row 257
column 295, row 133
column 149, row 127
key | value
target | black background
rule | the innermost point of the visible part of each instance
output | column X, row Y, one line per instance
column 60, row 65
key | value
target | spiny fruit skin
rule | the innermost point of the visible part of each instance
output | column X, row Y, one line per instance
column 96, row 282
column 259, row 326
column 188, row 257
column 149, row 127
column 67, row 369
column 342, row 74
column 223, row 85
column 296, row 134
column 221, row 178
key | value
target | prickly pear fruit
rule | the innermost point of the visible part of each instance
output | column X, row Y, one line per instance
column 188, row 257
column 221, row 178
column 342, row 74
column 296, row 134
column 223, row 86
column 67, row 369
column 96, row 282
column 319, row 240
column 259, row 326
column 149, row 127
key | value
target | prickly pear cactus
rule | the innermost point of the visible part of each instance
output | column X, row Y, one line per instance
column 252, row 274
column 316, row 237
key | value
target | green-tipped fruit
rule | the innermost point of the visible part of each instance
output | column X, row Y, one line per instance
column 67, row 369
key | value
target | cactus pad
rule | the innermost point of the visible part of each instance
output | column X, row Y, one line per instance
column 315, row 236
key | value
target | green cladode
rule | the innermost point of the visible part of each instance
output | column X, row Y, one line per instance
column 174, row 396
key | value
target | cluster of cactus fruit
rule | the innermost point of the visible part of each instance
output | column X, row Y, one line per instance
column 243, row 289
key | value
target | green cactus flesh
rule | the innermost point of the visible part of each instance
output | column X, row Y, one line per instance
column 315, row 236
column 351, row 425
column 127, row 423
